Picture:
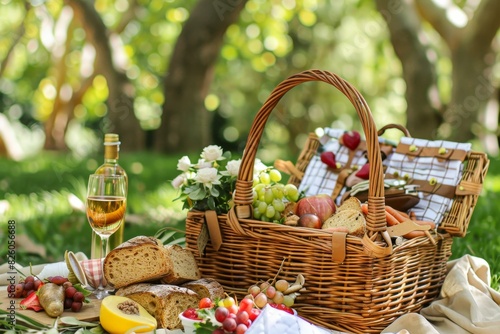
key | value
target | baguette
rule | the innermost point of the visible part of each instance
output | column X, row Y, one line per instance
column 206, row 288
column 140, row 259
column 184, row 267
column 162, row 301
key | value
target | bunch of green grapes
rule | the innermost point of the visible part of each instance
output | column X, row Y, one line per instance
column 270, row 196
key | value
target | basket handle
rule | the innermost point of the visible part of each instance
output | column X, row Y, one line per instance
column 375, row 220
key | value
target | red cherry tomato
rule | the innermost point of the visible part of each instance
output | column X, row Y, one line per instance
column 190, row 313
column 282, row 307
column 206, row 303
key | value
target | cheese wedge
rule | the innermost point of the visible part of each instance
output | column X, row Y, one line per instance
column 120, row 315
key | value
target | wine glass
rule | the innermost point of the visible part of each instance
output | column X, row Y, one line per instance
column 105, row 207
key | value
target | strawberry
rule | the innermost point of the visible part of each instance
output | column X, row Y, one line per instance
column 328, row 158
column 31, row 302
column 351, row 139
column 364, row 172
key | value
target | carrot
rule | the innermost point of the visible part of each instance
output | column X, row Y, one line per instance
column 424, row 222
column 391, row 220
column 400, row 216
column 364, row 208
column 414, row 234
column 412, row 215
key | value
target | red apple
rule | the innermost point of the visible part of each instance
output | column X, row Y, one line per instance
column 321, row 205
column 309, row 220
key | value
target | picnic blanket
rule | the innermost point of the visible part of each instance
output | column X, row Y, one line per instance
column 467, row 303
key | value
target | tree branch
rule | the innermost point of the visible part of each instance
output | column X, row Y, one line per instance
column 120, row 102
column 484, row 24
column 128, row 16
column 17, row 37
column 436, row 16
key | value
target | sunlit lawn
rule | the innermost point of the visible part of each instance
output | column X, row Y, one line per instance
column 44, row 197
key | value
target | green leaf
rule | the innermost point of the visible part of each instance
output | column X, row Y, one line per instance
column 80, row 288
column 214, row 192
column 75, row 321
column 211, row 203
column 198, row 194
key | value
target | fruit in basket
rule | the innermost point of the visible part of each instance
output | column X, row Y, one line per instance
column 121, row 314
column 328, row 158
column 350, row 139
column 270, row 197
column 309, row 220
column 364, row 172
column 321, row 205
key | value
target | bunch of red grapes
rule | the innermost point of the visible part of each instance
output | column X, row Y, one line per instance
column 233, row 318
column 73, row 299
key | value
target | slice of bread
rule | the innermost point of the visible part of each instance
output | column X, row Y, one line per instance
column 184, row 267
column 352, row 203
column 206, row 288
column 162, row 301
column 140, row 259
column 351, row 219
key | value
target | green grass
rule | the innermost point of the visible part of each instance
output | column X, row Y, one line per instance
column 39, row 190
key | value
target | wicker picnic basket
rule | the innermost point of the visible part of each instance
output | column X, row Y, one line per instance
column 357, row 285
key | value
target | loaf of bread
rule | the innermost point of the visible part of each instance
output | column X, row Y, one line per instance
column 164, row 302
column 140, row 259
column 354, row 221
column 184, row 267
column 206, row 288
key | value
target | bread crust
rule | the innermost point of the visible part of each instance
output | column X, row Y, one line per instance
column 144, row 256
column 184, row 266
column 206, row 288
column 351, row 219
column 163, row 301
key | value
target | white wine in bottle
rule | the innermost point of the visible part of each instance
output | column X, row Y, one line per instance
column 109, row 167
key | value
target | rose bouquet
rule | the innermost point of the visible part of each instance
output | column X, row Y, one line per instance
column 209, row 183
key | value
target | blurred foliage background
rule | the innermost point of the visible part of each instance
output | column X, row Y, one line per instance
column 72, row 70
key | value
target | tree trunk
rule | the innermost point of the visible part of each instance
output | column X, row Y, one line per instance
column 55, row 126
column 423, row 118
column 121, row 117
column 471, row 56
column 186, row 124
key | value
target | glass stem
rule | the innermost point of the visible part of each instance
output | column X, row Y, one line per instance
column 104, row 249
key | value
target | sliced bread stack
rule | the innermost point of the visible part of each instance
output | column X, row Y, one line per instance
column 146, row 259
column 146, row 271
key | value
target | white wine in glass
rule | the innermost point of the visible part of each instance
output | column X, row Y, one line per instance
column 106, row 205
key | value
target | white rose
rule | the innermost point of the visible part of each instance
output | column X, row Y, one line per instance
column 212, row 153
column 203, row 164
column 179, row 181
column 233, row 167
column 184, row 164
column 258, row 167
column 207, row 176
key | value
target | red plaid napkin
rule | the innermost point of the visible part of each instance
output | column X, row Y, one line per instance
column 93, row 271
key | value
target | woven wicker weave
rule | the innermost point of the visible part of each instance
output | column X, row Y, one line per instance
column 373, row 285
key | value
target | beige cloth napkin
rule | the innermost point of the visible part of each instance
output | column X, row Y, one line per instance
column 467, row 303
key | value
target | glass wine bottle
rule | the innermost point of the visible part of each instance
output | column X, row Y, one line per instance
column 109, row 167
